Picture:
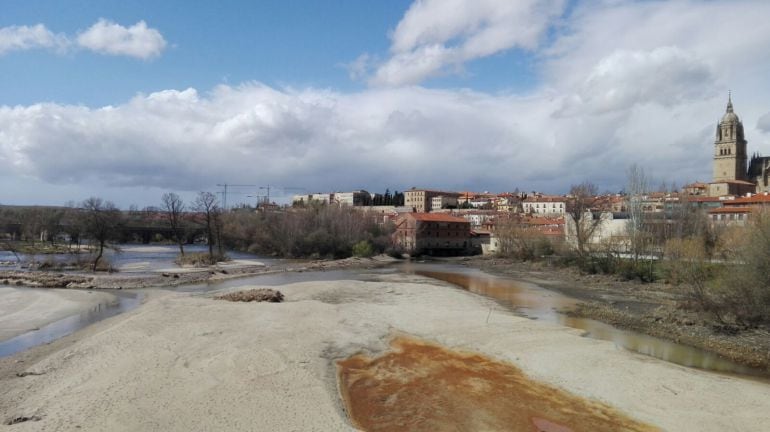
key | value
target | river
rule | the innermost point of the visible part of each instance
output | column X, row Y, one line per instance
column 522, row 298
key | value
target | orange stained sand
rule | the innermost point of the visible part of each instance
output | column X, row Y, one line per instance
column 418, row 386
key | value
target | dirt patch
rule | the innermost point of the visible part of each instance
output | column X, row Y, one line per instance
column 422, row 386
column 45, row 279
column 253, row 295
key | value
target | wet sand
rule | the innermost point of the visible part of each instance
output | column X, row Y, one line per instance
column 183, row 362
column 26, row 309
column 418, row 386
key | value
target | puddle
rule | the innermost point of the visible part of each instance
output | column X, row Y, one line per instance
column 421, row 386
column 71, row 324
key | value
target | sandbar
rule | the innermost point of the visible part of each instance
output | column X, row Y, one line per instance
column 187, row 362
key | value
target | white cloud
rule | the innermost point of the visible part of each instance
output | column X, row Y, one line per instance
column 325, row 140
column 138, row 40
column 439, row 36
column 621, row 83
column 20, row 38
column 104, row 37
column 666, row 75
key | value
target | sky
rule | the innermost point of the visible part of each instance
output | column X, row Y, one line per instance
column 128, row 100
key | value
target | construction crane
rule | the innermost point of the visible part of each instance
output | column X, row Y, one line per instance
column 283, row 190
column 224, row 191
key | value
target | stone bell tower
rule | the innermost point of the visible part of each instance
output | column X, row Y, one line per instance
column 729, row 147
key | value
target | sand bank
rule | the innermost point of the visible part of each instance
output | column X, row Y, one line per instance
column 25, row 309
column 183, row 362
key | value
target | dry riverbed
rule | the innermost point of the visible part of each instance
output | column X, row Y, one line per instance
column 649, row 308
column 187, row 362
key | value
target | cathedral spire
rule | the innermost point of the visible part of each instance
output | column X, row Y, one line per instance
column 729, row 101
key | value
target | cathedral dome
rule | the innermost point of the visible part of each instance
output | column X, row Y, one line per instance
column 730, row 116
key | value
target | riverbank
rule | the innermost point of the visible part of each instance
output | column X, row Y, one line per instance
column 184, row 362
column 23, row 309
column 649, row 308
column 177, row 276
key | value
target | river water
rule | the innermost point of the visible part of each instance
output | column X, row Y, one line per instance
column 126, row 258
column 525, row 299
column 538, row 303
column 125, row 301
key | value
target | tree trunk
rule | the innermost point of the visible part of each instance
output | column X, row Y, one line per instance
column 98, row 257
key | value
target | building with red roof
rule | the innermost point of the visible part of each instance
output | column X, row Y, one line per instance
column 432, row 234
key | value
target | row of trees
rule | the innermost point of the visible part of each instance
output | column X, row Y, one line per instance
column 319, row 231
column 101, row 222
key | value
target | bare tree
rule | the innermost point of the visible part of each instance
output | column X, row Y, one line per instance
column 206, row 203
column 579, row 209
column 636, row 188
column 101, row 220
column 174, row 210
column 52, row 223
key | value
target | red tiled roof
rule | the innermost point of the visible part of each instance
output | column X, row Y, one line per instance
column 756, row 199
column 734, row 182
column 730, row 210
column 435, row 217
column 543, row 221
column 704, row 199
column 545, row 199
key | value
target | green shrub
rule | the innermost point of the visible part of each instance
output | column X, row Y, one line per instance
column 363, row 249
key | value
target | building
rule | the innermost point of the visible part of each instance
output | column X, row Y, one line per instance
column 485, row 241
column 609, row 231
column 730, row 216
column 432, row 234
column 323, row 198
column 755, row 201
column 696, row 188
column 732, row 176
column 443, row 202
column 759, row 172
column 544, row 205
column 355, row 198
column 730, row 147
column 731, row 187
column 421, row 200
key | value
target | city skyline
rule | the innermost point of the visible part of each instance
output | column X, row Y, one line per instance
column 130, row 101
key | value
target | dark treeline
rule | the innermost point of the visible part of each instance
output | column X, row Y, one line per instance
column 319, row 231
column 394, row 199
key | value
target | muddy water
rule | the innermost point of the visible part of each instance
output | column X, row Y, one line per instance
column 535, row 302
column 419, row 386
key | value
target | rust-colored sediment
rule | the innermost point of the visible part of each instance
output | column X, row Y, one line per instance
column 421, row 386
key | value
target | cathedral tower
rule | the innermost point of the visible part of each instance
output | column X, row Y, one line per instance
column 729, row 147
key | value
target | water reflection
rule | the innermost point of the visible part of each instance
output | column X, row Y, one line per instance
column 127, row 258
column 51, row 332
column 539, row 303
